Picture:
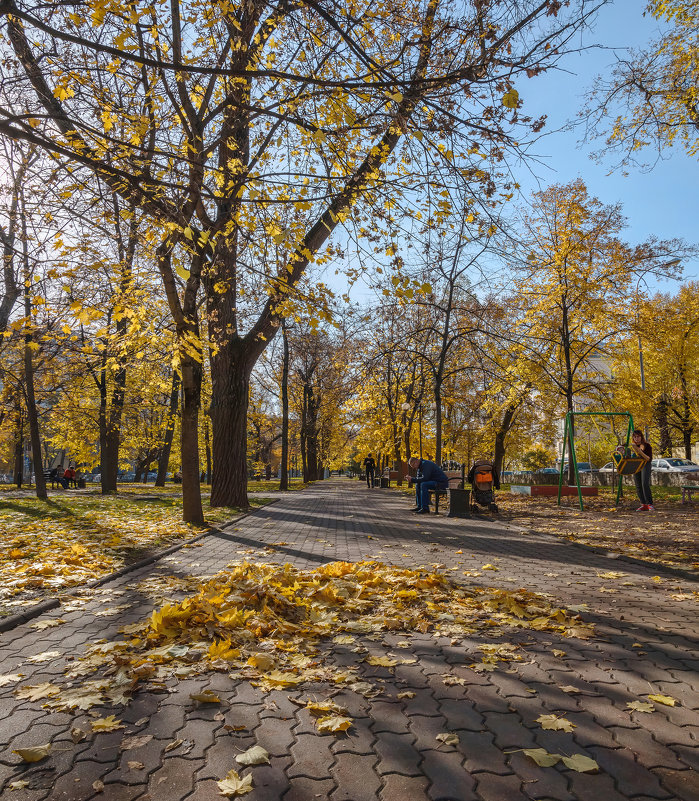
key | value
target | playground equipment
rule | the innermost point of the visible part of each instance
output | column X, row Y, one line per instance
column 626, row 463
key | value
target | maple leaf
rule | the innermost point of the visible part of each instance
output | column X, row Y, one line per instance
column 40, row 625
column 555, row 723
column 233, row 785
column 10, row 678
column 34, row 693
column 333, row 723
column 46, row 656
column 110, row 723
column 640, row 706
column 381, row 661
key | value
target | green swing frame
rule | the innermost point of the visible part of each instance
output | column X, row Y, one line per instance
column 568, row 437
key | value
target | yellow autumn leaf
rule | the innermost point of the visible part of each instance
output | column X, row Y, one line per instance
column 381, row 661
column 640, row 706
column 510, row 99
column 110, row 723
column 261, row 661
column 206, row 697
column 666, row 700
column 333, row 723
column 233, row 785
column 542, row 757
column 255, row 755
column 580, row 763
column 448, row 738
column 34, row 754
column 555, row 723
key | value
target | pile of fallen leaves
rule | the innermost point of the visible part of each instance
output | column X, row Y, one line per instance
column 47, row 548
column 265, row 622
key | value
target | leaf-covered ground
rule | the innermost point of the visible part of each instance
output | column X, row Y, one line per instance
column 668, row 536
column 271, row 625
column 47, row 548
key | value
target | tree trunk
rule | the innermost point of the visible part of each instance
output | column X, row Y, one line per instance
column 508, row 419
column 32, row 414
column 230, row 387
column 19, row 447
column 207, row 448
column 660, row 413
column 164, row 458
column 192, row 511
column 284, row 466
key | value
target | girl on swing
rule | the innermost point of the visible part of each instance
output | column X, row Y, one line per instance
column 643, row 449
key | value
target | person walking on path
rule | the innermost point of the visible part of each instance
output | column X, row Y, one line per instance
column 430, row 477
column 643, row 449
column 369, row 469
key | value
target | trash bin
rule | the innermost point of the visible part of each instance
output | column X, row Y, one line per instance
column 385, row 482
column 81, row 483
column 459, row 503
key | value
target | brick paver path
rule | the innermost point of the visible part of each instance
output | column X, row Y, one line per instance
column 646, row 642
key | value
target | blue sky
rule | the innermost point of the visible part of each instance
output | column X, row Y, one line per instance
column 663, row 201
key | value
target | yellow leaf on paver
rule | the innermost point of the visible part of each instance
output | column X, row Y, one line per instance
column 321, row 709
column 174, row 744
column 206, row 697
column 489, row 567
column 407, row 695
column 569, row 688
column 611, row 574
column 558, row 653
column 344, row 639
column 640, row 706
column 40, row 625
column 10, row 678
column 45, row 656
column 555, row 723
column 110, row 723
column 134, row 765
column 37, row 691
column 381, row 661
column 223, row 650
column 580, row 763
column 261, row 661
column 448, row 738
column 34, row 754
column 452, row 681
column 280, row 678
column 256, row 755
column 542, row 757
column 234, row 785
column 666, row 700
column 19, row 785
column 98, row 786
column 333, row 723
column 77, row 735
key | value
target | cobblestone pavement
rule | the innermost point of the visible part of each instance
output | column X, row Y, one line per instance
column 646, row 643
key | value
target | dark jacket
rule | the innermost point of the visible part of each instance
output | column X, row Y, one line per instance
column 429, row 471
column 370, row 464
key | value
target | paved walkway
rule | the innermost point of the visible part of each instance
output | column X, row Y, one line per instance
column 646, row 643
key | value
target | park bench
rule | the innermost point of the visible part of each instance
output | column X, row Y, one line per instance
column 456, row 481
column 689, row 489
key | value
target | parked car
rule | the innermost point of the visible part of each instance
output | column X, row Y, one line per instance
column 672, row 465
column 583, row 467
column 548, row 470
column 607, row 468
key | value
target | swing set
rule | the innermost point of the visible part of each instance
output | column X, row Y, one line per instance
column 625, row 460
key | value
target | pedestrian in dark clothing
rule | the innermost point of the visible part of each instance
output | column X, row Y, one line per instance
column 430, row 476
column 643, row 449
column 53, row 477
column 369, row 469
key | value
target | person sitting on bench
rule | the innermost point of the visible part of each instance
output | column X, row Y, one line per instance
column 430, row 476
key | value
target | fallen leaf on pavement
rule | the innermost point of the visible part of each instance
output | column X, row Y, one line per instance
column 256, row 755
column 555, row 723
column 448, row 738
column 233, row 785
column 34, row 754
column 640, row 706
column 666, row 700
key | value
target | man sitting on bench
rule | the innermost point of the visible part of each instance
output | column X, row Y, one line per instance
column 430, row 476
